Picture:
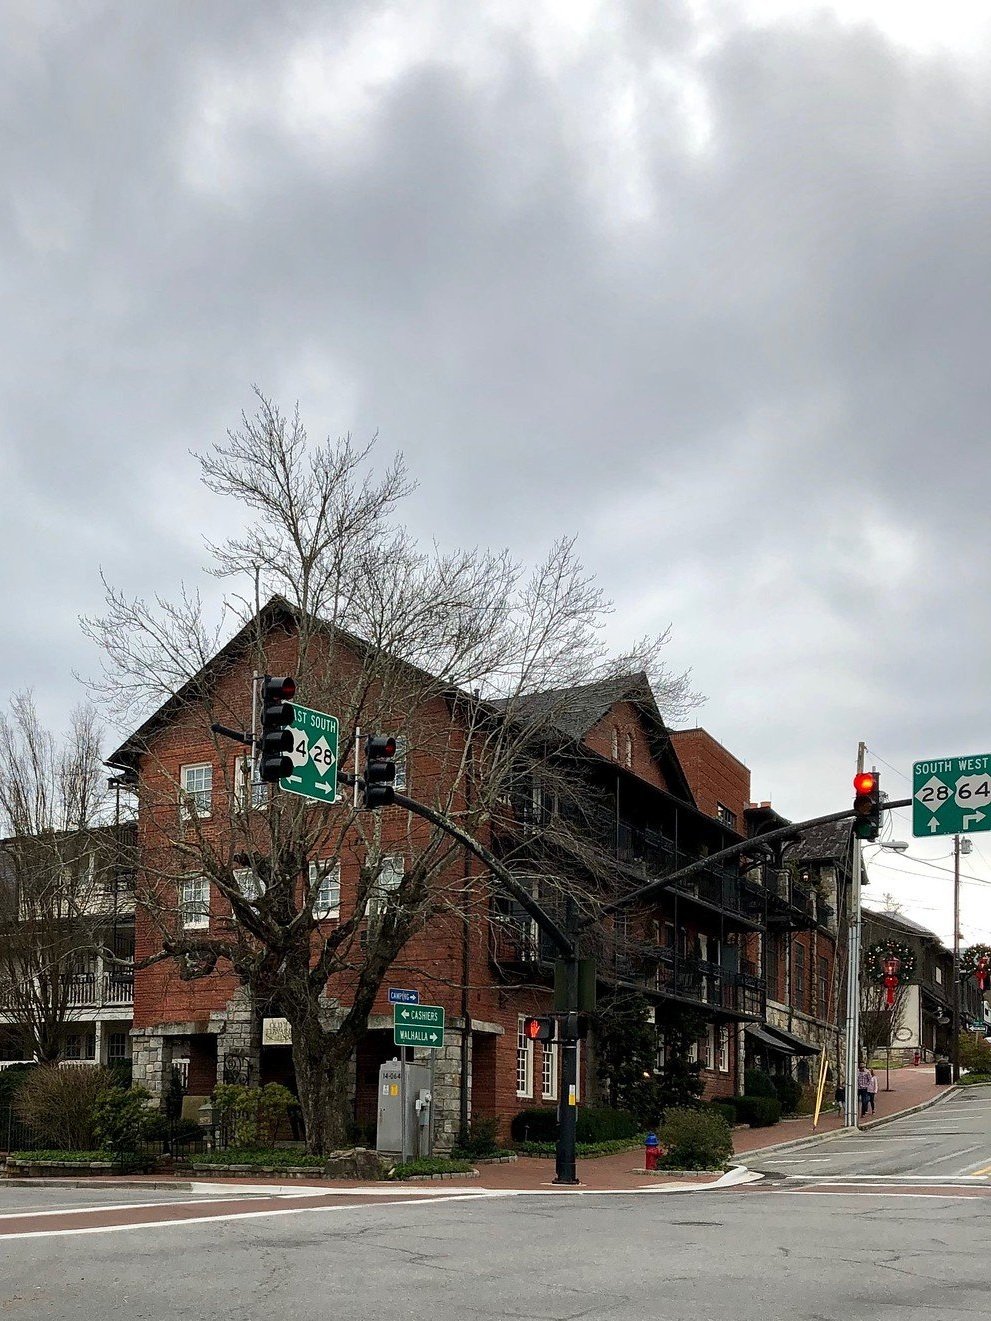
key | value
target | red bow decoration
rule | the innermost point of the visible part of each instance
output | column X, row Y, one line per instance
column 981, row 972
column 892, row 967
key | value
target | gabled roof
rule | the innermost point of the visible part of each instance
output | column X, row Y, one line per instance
column 825, row 843
column 905, row 923
column 576, row 711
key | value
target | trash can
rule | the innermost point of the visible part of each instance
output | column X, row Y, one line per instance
column 944, row 1073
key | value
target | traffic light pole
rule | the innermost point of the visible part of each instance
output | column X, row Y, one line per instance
column 956, row 959
column 854, row 920
column 565, row 1167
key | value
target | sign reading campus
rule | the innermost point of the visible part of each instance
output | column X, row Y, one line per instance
column 418, row 1025
column 314, row 755
column 951, row 796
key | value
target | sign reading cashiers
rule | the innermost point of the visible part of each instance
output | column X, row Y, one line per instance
column 418, row 1025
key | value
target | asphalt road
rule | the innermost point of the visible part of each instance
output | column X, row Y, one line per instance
column 843, row 1244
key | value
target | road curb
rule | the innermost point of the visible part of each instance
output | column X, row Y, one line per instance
column 97, row 1181
column 816, row 1138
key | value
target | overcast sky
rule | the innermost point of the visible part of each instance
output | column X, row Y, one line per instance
column 705, row 283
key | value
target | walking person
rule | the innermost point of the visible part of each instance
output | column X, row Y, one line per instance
column 863, row 1088
column 872, row 1090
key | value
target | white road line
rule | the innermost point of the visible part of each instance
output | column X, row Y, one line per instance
column 104, row 1206
column 838, row 1192
column 951, row 1155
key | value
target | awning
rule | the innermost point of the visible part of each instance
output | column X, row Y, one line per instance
column 796, row 1044
column 759, row 1035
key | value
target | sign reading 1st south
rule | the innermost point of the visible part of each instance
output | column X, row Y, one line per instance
column 418, row 1025
column 951, row 796
column 314, row 755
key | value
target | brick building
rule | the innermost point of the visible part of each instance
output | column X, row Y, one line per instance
column 477, row 956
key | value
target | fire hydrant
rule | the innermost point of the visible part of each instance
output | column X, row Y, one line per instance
column 651, row 1151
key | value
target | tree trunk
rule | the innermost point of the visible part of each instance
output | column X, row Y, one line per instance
column 322, row 1067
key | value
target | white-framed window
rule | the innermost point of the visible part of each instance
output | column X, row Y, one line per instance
column 628, row 758
column 197, row 789
column 693, row 1053
column 726, row 815
column 80, row 1046
column 252, row 793
column 939, row 974
column 549, row 1071
column 401, row 782
column 250, row 884
column 723, row 1061
column 524, row 1060
column 615, row 743
column 327, row 899
column 389, row 879
column 194, row 902
column 710, row 1047
column 116, row 1047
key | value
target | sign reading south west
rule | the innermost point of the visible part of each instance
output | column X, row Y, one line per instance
column 951, row 796
column 314, row 755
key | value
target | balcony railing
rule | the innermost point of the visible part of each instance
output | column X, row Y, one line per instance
column 715, row 985
column 86, row 989
column 652, row 855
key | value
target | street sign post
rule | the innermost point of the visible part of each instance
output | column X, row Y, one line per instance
column 398, row 997
column 951, row 796
column 418, row 1025
column 314, row 755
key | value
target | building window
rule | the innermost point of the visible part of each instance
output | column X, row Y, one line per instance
column 693, row 1053
column 388, row 881
column 726, row 815
column 628, row 758
column 548, row 1081
column 194, row 902
column 249, row 884
column 116, row 1047
column 710, row 1047
column 615, row 743
column 197, row 789
column 524, row 1060
column 401, row 782
column 798, row 954
column 771, row 958
column 252, row 793
column 327, row 899
column 724, row 1049
column 823, row 986
column 80, row 1046
column 939, row 975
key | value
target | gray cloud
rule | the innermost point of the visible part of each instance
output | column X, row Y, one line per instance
column 716, row 300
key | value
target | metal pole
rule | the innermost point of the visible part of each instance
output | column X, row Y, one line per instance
column 956, row 959
column 565, row 1163
column 850, row 1098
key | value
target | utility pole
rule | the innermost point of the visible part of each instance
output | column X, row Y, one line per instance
column 960, row 846
column 850, row 1098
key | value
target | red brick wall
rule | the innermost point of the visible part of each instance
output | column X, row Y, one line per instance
column 624, row 720
column 714, row 774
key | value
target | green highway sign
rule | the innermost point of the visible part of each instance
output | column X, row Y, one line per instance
column 418, row 1025
column 314, row 756
column 951, row 796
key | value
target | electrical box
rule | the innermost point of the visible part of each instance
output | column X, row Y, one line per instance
column 419, row 1109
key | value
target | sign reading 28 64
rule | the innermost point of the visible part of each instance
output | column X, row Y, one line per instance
column 951, row 796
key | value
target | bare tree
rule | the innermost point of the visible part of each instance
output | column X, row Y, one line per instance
column 879, row 1021
column 53, row 865
column 480, row 664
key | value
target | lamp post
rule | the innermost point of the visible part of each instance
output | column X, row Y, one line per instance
column 960, row 847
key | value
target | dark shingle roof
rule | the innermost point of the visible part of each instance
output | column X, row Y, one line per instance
column 574, row 711
column 826, row 842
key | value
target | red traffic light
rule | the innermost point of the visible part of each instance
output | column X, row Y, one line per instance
column 864, row 783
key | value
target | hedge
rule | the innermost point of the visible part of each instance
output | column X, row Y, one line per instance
column 595, row 1124
column 695, row 1140
column 758, row 1111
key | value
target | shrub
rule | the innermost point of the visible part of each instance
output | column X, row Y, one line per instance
column 10, row 1082
column 695, row 1140
column 595, row 1124
column 258, row 1156
column 430, row 1165
column 726, row 1110
column 59, row 1104
column 806, row 1104
column 252, row 1116
column 161, row 1129
column 788, row 1091
column 758, row 1083
column 586, row 1150
column 975, row 1053
column 758, row 1111
column 120, row 1117
column 481, row 1139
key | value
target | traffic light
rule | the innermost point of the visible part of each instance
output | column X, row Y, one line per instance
column 276, row 740
column 539, row 1029
column 574, row 1027
column 380, row 770
column 867, row 805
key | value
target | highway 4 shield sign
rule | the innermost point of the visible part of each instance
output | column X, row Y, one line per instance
column 951, row 796
column 314, row 755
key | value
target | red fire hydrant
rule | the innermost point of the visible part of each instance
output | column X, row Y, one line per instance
column 651, row 1151
column 917, row 1058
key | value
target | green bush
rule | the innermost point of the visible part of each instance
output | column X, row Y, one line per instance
column 695, row 1140
column 10, row 1082
column 430, row 1165
column 788, row 1091
column 594, row 1124
column 587, row 1150
column 975, row 1053
column 161, row 1129
column 806, row 1104
column 758, row 1083
column 257, row 1156
column 758, row 1111
column 252, row 1116
column 481, row 1140
column 59, row 1104
column 726, row 1109
column 120, row 1117
column 73, row 1157
column 972, row 1079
